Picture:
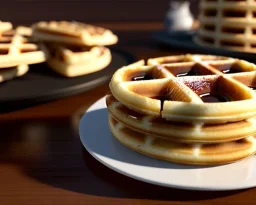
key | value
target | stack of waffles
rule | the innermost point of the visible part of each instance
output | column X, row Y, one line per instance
column 75, row 48
column 17, row 51
column 228, row 24
column 189, row 109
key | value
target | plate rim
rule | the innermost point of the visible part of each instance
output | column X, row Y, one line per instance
column 130, row 175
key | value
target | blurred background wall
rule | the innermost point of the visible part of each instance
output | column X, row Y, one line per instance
column 29, row 11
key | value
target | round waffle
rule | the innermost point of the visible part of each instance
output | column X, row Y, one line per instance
column 199, row 89
column 197, row 154
column 227, row 24
column 181, row 132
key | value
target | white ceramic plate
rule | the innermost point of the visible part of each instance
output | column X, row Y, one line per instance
column 99, row 142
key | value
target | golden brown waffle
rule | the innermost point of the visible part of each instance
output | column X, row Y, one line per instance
column 182, row 89
column 73, row 33
column 20, row 30
column 6, row 36
column 196, row 154
column 72, row 61
column 13, row 72
column 15, row 50
column 179, row 132
column 228, row 24
column 5, row 26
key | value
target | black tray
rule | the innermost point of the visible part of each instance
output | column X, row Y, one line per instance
column 41, row 84
column 184, row 40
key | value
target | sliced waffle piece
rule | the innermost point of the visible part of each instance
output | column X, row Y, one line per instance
column 198, row 89
column 5, row 26
column 196, row 154
column 181, row 132
column 72, row 61
column 73, row 33
column 24, row 31
column 15, row 50
column 20, row 30
column 227, row 24
column 13, row 72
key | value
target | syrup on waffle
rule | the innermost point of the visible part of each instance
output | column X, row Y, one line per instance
column 73, row 33
column 190, row 88
column 228, row 24
column 196, row 154
column 71, row 61
column 179, row 132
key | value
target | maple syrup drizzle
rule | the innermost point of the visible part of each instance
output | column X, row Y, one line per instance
column 192, row 72
column 162, row 99
column 142, row 77
column 231, row 70
column 214, row 97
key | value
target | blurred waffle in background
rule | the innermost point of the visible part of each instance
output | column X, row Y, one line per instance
column 227, row 24
column 17, row 51
column 70, row 48
column 75, row 48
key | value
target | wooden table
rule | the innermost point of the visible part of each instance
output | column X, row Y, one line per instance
column 44, row 162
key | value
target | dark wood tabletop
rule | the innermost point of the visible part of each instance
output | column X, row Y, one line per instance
column 42, row 160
